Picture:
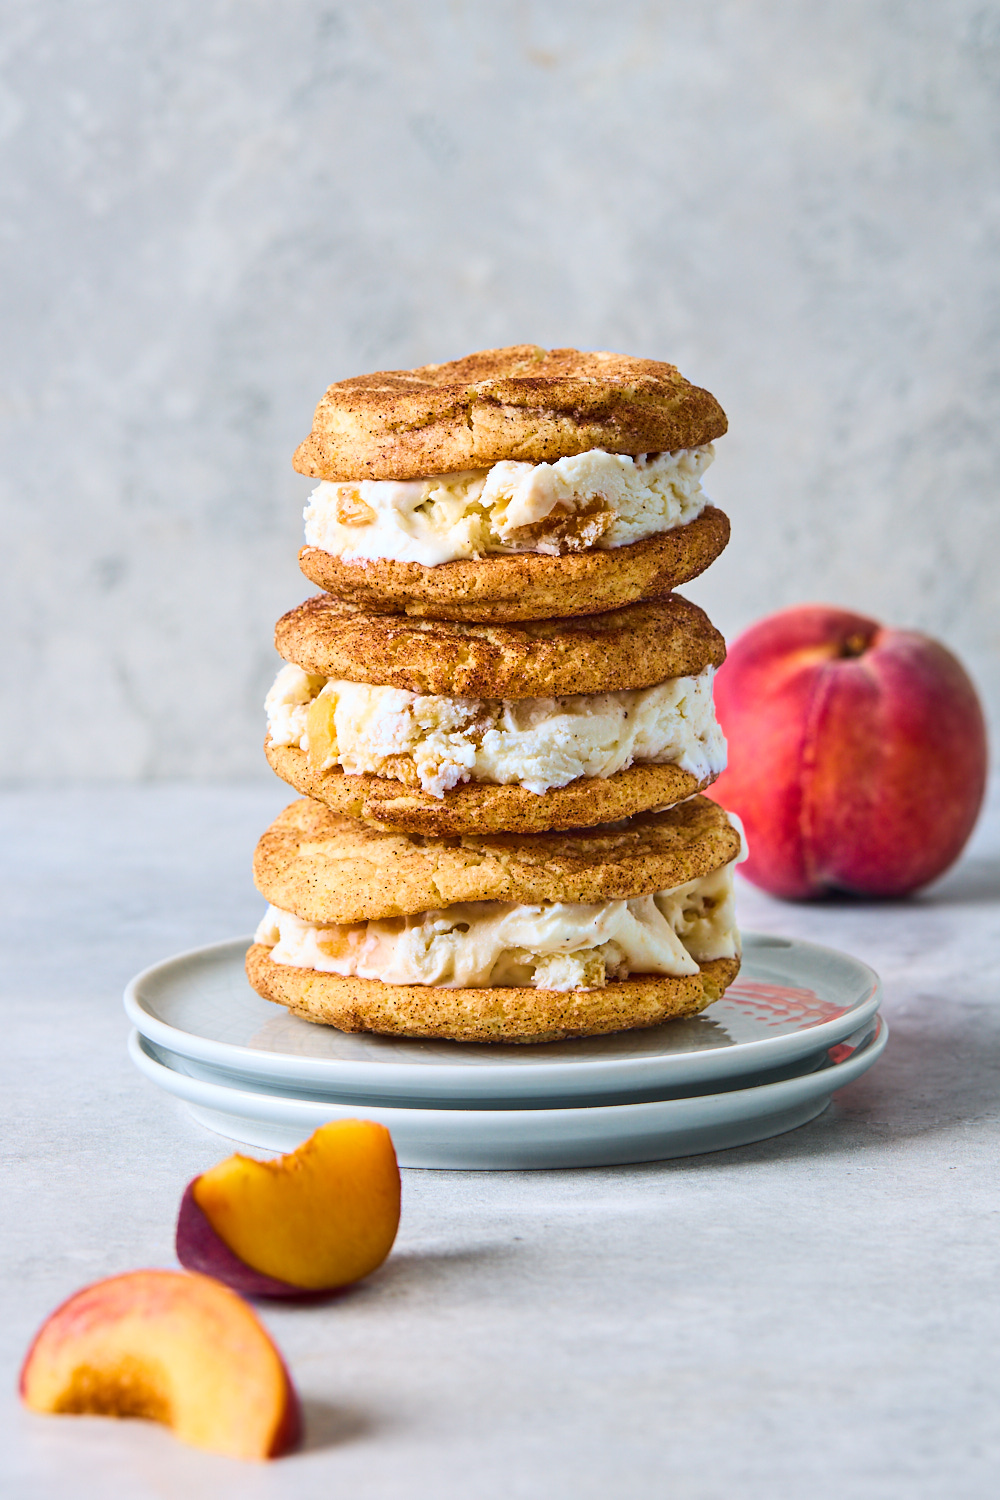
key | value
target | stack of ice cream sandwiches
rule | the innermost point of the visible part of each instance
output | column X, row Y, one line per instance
column 497, row 712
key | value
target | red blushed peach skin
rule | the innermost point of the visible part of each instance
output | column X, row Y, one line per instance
column 178, row 1349
column 857, row 754
column 314, row 1220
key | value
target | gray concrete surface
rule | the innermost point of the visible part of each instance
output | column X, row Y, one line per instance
column 811, row 1316
column 209, row 209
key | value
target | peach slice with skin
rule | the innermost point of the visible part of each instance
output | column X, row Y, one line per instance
column 306, row 1223
column 179, row 1349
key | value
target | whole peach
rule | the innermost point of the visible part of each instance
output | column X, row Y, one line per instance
column 857, row 753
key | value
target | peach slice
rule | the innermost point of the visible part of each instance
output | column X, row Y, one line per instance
column 321, row 730
column 314, row 1220
column 178, row 1349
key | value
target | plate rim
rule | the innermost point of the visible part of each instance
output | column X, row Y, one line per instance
column 443, row 1080
column 768, row 1097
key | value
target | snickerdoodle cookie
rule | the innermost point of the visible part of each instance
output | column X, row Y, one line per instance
column 511, row 1013
column 328, row 868
column 525, row 585
column 523, row 402
column 632, row 647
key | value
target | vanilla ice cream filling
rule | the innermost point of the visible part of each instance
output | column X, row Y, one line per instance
column 594, row 499
column 437, row 742
column 558, row 945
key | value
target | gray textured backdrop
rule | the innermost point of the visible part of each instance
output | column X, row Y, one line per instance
column 212, row 208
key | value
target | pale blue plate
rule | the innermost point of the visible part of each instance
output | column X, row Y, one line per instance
column 791, row 1002
column 497, row 1139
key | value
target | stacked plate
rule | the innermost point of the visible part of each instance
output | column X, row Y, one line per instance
column 800, row 1022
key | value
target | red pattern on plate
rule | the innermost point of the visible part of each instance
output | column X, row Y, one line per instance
column 778, row 1004
column 843, row 1051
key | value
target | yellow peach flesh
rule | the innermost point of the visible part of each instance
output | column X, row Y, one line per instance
column 319, row 1218
column 321, row 731
column 176, row 1348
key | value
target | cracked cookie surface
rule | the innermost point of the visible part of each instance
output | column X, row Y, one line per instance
column 325, row 867
column 521, row 402
column 632, row 647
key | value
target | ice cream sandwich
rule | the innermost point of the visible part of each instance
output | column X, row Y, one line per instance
column 496, row 937
column 447, row 727
column 514, row 484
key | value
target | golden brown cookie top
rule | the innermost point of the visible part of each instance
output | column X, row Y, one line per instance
column 328, row 868
column 523, row 402
column 633, row 647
